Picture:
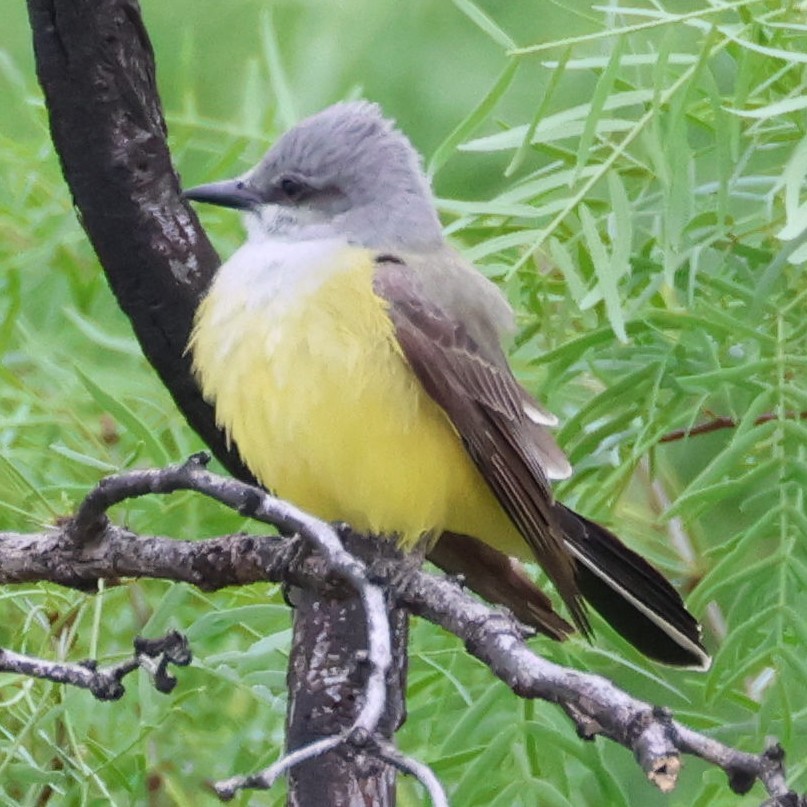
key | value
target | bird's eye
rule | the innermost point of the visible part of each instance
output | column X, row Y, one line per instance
column 292, row 189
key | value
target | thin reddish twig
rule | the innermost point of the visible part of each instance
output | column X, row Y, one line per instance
column 726, row 423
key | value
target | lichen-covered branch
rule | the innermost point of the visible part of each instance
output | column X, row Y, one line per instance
column 105, row 683
column 87, row 548
column 595, row 704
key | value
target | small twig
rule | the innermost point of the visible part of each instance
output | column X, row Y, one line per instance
column 742, row 768
column 152, row 655
column 250, row 501
column 264, row 779
column 727, row 423
column 423, row 773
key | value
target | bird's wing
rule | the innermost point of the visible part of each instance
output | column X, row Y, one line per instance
column 477, row 391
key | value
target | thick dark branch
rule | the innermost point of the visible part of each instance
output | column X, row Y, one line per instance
column 152, row 655
column 96, row 67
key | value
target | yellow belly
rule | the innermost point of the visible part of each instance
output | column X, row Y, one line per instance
column 325, row 411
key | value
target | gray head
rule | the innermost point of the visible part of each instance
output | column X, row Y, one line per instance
column 345, row 171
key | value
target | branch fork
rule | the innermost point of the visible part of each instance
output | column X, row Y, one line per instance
column 88, row 547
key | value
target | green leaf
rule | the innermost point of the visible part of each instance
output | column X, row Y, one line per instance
column 725, row 575
column 126, row 418
column 485, row 23
column 562, row 125
column 607, row 275
column 215, row 623
column 602, row 92
column 558, row 72
column 284, row 95
column 479, row 114
column 83, row 459
column 102, row 338
column 795, row 210
column 716, row 688
column 563, row 261
column 772, row 111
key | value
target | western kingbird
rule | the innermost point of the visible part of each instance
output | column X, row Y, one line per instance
column 355, row 360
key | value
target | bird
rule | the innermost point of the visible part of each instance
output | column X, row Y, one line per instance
column 357, row 362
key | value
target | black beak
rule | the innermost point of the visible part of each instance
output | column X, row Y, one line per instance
column 233, row 193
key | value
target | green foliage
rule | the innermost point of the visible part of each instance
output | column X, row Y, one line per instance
column 635, row 179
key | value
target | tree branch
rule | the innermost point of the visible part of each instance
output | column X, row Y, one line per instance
column 95, row 64
column 724, row 422
column 595, row 704
column 87, row 548
column 253, row 502
column 151, row 655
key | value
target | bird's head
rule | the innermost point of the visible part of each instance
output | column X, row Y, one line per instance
column 346, row 171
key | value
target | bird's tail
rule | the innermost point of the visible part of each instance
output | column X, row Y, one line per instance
column 500, row 579
column 631, row 595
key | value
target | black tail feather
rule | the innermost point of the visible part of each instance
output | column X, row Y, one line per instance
column 637, row 601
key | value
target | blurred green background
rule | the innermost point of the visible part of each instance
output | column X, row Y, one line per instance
column 635, row 183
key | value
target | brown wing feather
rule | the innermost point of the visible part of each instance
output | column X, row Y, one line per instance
column 484, row 402
column 500, row 579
